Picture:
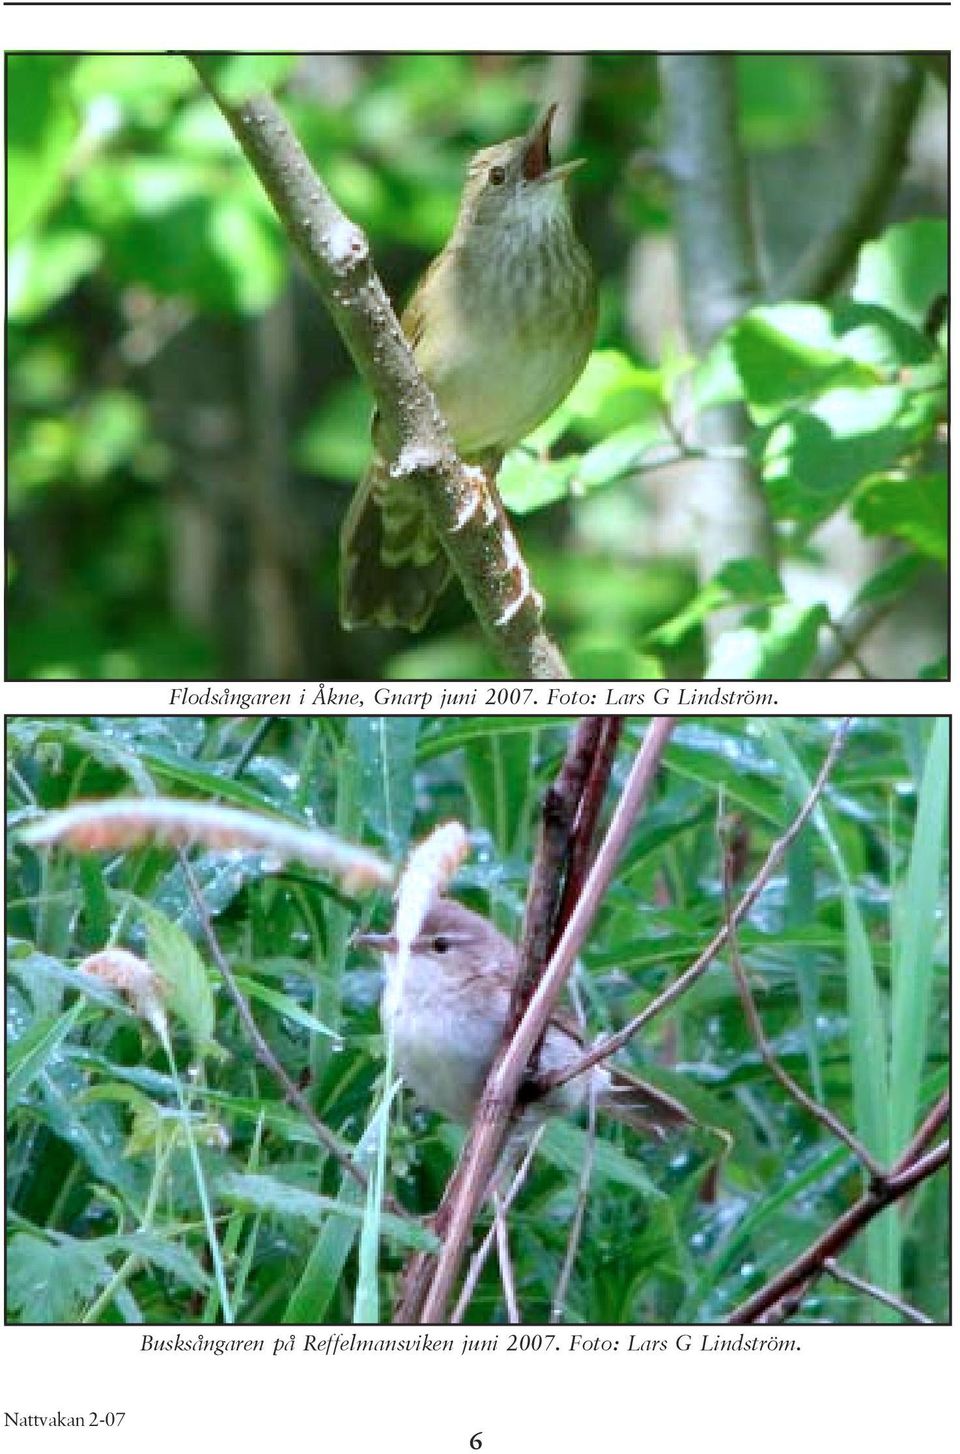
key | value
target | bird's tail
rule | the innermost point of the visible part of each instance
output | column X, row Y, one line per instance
column 392, row 566
column 642, row 1106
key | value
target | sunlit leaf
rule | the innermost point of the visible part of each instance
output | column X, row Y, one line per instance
column 914, row 509
column 187, row 985
column 42, row 127
column 782, row 647
column 906, row 268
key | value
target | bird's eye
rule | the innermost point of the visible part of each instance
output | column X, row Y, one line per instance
column 440, row 944
column 498, row 175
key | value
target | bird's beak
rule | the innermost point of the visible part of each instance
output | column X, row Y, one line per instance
column 536, row 153
column 383, row 943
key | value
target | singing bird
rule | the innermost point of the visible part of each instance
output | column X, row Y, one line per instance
column 501, row 326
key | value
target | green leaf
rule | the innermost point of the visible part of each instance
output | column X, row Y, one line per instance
column 749, row 581
column 717, row 758
column 93, row 1132
column 801, row 911
column 813, row 460
column 42, row 973
column 743, row 1235
column 456, row 656
column 788, row 352
column 527, row 483
column 187, row 985
column 606, row 656
column 115, row 425
column 248, row 247
column 29, row 1056
column 782, row 646
column 386, row 748
column 168, row 223
column 366, row 1300
column 261, row 1193
column 914, row 509
column 145, row 88
column 621, row 453
column 783, row 100
column 890, row 582
column 906, row 268
column 915, row 927
column 868, row 1026
column 716, row 379
column 564, row 1145
column 41, row 129
column 42, row 269
column 499, row 772
column 443, row 735
column 161, row 1252
column 49, row 1282
column 876, row 336
column 739, row 582
column 180, row 773
column 321, row 1278
column 285, row 1006
column 241, row 76
column 611, row 393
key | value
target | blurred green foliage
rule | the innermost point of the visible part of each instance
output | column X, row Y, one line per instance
column 185, row 427
column 845, row 947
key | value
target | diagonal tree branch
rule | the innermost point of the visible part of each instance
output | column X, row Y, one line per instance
column 570, row 808
column 781, row 1075
column 483, row 1251
column 475, row 534
column 935, row 1118
column 906, row 1310
column 490, row 1125
column 570, row 812
column 587, row 815
column 880, row 1195
column 609, row 1046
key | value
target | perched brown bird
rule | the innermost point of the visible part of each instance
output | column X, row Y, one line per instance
column 448, row 1014
column 501, row 325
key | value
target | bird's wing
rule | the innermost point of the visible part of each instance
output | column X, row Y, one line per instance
column 637, row 1101
column 393, row 567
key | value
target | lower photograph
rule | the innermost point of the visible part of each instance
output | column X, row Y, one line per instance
column 484, row 1020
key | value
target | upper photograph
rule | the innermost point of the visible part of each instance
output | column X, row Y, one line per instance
column 445, row 366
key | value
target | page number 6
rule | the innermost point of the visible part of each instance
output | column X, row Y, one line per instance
column 476, row 1440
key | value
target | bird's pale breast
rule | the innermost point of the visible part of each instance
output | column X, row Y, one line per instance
column 508, row 329
column 442, row 1051
column 444, row 1041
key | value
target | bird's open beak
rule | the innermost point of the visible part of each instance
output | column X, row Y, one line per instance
column 536, row 153
column 383, row 943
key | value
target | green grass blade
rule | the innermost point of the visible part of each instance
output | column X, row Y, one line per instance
column 366, row 1307
column 868, row 1033
column 31, row 1054
column 801, row 911
column 914, row 931
column 868, row 1029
